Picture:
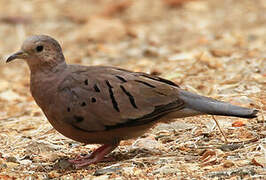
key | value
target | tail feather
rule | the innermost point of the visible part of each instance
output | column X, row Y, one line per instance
column 214, row 107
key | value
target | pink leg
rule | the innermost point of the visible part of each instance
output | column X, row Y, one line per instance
column 97, row 156
column 89, row 156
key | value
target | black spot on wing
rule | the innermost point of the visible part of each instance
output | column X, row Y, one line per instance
column 96, row 88
column 121, row 79
column 108, row 84
column 86, row 82
column 83, row 104
column 93, row 99
column 145, row 83
column 78, row 119
column 68, row 109
column 115, row 105
column 155, row 78
column 131, row 98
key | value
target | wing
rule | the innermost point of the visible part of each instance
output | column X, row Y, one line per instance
column 101, row 98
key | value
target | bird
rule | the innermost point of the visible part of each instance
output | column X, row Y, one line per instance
column 104, row 104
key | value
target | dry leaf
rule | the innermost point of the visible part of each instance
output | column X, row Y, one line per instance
column 207, row 155
column 259, row 161
column 238, row 124
column 175, row 3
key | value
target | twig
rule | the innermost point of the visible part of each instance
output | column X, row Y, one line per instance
column 220, row 128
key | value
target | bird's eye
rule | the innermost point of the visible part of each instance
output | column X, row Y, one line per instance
column 39, row 48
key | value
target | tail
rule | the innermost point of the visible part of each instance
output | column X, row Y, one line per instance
column 211, row 106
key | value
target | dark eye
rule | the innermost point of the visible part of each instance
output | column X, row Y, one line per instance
column 39, row 48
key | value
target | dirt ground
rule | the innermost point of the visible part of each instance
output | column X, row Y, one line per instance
column 211, row 47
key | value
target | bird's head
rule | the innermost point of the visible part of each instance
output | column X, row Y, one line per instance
column 39, row 51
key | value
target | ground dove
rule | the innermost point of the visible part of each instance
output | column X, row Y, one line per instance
column 104, row 105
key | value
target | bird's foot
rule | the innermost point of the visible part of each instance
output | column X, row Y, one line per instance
column 95, row 157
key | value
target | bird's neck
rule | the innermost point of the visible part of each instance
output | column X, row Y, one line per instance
column 47, row 67
column 45, row 81
column 46, row 73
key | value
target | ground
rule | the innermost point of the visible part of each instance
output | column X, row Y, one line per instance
column 210, row 47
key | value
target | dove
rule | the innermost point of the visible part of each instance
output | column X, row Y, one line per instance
column 104, row 104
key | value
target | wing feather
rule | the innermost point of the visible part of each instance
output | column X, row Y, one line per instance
column 122, row 98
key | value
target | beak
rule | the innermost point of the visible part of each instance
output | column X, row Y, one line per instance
column 18, row 55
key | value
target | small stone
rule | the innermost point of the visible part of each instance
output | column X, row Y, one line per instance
column 181, row 56
column 221, row 52
column 10, row 95
column 129, row 170
column 52, row 157
column 53, row 174
column 166, row 160
column 166, row 170
column 210, row 61
column 107, row 170
column 150, row 52
column 228, row 164
column 11, row 164
column 25, row 162
column 3, row 166
column 230, row 147
column 147, row 143
column 11, row 159
column 63, row 164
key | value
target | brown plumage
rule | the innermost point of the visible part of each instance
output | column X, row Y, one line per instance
column 104, row 105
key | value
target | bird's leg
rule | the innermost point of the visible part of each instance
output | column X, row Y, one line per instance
column 97, row 156
column 89, row 156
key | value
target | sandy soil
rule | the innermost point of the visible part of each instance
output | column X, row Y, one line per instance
column 211, row 47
